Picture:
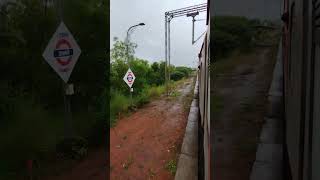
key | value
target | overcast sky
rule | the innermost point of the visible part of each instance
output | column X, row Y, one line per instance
column 150, row 38
column 262, row 9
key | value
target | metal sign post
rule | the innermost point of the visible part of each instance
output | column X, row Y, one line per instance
column 127, row 54
column 69, row 131
column 131, row 97
column 129, row 78
column 62, row 53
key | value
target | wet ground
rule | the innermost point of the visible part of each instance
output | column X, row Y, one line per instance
column 94, row 167
column 143, row 143
column 242, row 91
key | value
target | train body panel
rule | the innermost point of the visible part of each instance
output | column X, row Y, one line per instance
column 293, row 89
column 301, row 74
column 302, row 88
column 204, row 102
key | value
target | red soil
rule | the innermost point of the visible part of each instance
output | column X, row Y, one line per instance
column 144, row 142
column 140, row 145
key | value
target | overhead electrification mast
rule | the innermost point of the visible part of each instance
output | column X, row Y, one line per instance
column 191, row 11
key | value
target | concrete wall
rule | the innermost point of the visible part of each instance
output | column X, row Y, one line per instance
column 187, row 168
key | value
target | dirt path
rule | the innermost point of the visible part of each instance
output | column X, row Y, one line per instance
column 243, row 92
column 94, row 167
column 142, row 144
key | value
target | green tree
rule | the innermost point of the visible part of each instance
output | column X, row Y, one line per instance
column 230, row 33
column 141, row 69
column 119, row 65
column 33, row 91
column 119, row 50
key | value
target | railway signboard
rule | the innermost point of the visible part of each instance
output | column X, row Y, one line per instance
column 62, row 52
column 129, row 78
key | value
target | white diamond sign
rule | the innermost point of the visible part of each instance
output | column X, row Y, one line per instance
column 62, row 52
column 129, row 78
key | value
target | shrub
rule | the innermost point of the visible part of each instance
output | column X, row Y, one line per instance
column 97, row 134
column 155, row 91
column 185, row 70
column 119, row 103
column 224, row 43
column 171, row 166
column 177, row 75
column 72, row 148
column 141, row 99
column 23, row 141
column 231, row 32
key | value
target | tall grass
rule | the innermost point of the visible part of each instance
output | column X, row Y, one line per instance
column 32, row 132
column 120, row 104
column 155, row 91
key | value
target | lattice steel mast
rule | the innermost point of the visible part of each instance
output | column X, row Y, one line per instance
column 190, row 11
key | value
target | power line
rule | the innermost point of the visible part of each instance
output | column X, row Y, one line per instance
column 169, row 15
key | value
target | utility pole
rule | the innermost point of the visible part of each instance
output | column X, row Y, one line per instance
column 166, row 55
column 169, row 54
column 127, row 53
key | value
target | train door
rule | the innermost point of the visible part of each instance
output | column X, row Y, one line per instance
column 210, row 143
column 285, row 51
column 294, row 109
column 203, row 104
column 205, row 111
column 200, row 123
column 285, row 42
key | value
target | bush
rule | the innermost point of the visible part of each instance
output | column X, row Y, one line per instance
column 171, row 166
column 148, row 83
column 185, row 70
column 224, row 43
column 98, row 132
column 72, row 148
column 231, row 32
column 119, row 103
column 177, row 75
column 141, row 99
column 23, row 141
column 155, row 91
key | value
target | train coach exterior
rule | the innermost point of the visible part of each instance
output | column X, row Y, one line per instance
column 302, row 88
column 204, row 107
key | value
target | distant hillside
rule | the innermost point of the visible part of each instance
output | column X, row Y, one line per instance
column 261, row 9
